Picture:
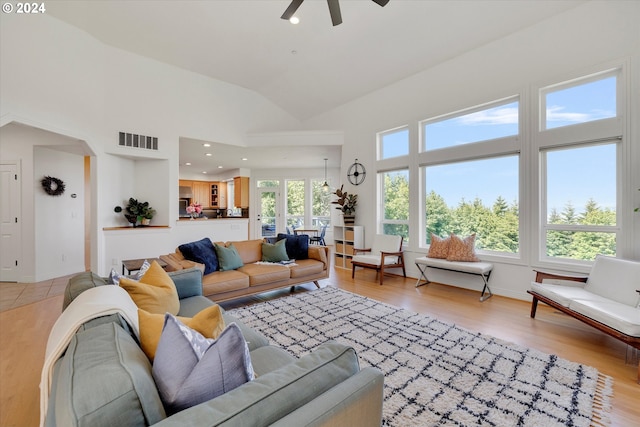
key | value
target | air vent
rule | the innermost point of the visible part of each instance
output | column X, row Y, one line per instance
column 138, row 141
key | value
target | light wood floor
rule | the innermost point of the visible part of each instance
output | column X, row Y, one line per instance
column 24, row 331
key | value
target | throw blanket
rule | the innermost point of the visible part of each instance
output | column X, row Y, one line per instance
column 92, row 303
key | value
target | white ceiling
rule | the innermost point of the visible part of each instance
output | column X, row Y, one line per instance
column 309, row 68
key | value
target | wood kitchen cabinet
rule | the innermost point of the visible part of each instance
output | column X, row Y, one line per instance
column 222, row 195
column 202, row 192
column 241, row 191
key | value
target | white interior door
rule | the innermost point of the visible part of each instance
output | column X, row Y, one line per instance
column 10, row 249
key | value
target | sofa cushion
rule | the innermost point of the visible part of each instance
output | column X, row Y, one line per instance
column 228, row 257
column 125, row 394
column 208, row 322
column 201, row 251
column 306, row 267
column 297, row 246
column 563, row 294
column 614, row 278
column 261, row 274
column 250, row 250
column 618, row 316
column 155, row 292
column 254, row 338
column 269, row 358
column 190, row 369
column 273, row 395
column 274, row 252
column 224, row 281
column 80, row 283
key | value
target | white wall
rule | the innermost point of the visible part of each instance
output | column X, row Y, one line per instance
column 52, row 228
column 57, row 77
column 568, row 45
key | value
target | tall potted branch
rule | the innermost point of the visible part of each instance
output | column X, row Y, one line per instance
column 346, row 204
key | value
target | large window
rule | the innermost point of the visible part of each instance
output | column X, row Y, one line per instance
column 479, row 124
column 321, row 206
column 473, row 191
column 478, row 196
column 580, row 201
column 395, row 196
column 579, row 102
column 295, row 204
column 393, row 143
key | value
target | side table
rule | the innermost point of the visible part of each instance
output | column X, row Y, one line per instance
column 135, row 264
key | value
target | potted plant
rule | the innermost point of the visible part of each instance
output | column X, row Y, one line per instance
column 347, row 205
column 137, row 212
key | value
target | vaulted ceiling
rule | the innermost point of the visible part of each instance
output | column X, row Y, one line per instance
column 312, row 67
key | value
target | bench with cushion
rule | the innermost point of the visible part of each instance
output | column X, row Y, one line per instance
column 608, row 299
column 482, row 269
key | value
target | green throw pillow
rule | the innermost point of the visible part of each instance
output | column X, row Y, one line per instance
column 275, row 252
column 228, row 258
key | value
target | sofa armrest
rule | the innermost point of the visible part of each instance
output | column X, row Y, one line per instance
column 188, row 282
column 272, row 396
column 320, row 253
column 354, row 402
column 542, row 275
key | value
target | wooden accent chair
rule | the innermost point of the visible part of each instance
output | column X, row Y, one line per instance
column 385, row 253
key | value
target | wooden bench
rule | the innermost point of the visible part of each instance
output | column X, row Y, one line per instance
column 482, row 269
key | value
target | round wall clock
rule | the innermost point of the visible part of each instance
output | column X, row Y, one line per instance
column 356, row 173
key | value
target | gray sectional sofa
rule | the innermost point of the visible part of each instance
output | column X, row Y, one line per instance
column 105, row 379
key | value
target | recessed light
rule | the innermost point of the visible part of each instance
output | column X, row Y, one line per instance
column 206, row 145
column 220, row 167
column 209, row 154
column 294, row 20
column 204, row 172
column 245, row 159
column 188, row 164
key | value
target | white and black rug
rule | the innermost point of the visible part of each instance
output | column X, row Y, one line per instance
column 438, row 374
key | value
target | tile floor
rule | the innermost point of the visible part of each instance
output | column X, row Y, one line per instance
column 14, row 295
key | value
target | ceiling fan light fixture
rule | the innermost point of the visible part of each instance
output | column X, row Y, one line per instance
column 334, row 10
column 294, row 20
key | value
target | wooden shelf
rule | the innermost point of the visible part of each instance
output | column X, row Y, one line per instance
column 346, row 237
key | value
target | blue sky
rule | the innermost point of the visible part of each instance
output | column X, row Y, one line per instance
column 574, row 175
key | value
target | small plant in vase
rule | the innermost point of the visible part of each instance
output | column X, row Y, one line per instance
column 347, row 205
column 194, row 210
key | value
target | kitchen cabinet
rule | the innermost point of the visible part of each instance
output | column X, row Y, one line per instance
column 201, row 193
column 222, row 195
column 241, row 191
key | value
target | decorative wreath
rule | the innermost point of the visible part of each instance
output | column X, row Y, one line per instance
column 52, row 186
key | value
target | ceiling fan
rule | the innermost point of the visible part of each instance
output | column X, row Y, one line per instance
column 334, row 9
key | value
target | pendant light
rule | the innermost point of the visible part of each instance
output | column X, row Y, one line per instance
column 325, row 186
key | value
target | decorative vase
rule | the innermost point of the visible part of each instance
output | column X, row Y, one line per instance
column 349, row 219
column 145, row 221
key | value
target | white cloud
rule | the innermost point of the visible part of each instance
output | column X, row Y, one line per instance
column 555, row 113
column 496, row 116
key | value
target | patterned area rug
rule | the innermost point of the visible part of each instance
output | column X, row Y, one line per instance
column 437, row 374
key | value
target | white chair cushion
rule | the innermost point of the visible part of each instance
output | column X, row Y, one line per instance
column 467, row 267
column 385, row 243
column 563, row 294
column 374, row 259
column 618, row 316
column 616, row 279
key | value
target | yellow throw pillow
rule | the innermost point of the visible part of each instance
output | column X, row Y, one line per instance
column 209, row 322
column 155, row 292
column 462, row 249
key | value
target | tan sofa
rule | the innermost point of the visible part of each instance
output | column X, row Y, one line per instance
column 254, row 278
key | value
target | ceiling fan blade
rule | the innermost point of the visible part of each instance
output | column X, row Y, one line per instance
column 382, row 3
column 291, row 10
column 334, row 10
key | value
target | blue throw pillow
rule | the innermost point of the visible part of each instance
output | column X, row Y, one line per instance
column 203, row 252
column 228, row 257
column 297, row 246
column 190, row 369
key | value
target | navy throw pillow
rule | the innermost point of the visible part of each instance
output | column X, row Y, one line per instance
column 297, row 246
column 203, row 252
